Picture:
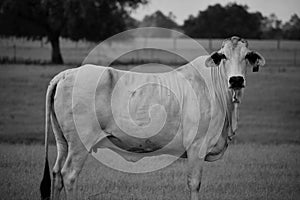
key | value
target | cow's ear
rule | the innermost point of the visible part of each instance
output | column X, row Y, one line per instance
column 214, row 59
column 255, row 60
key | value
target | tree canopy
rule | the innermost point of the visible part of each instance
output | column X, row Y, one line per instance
column 218, row 22
column 93, row 20
column 291, row 29
column 158, row 19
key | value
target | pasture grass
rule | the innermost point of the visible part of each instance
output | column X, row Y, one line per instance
column 247, row 171
column 269, row 113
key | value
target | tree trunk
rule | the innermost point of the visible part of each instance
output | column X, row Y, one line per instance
column 56, row 57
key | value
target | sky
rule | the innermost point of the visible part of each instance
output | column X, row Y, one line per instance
column 183, row 8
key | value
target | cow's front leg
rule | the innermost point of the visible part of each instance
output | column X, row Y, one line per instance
column 194, row 171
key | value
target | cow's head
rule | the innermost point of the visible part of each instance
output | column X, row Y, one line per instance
column 234, row 57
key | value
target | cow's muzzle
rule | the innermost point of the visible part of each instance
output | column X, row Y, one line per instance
column 236, row 82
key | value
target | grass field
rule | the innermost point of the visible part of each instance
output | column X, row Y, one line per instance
column 263, row 162
column 248, row 171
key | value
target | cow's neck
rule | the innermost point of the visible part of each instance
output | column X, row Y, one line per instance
column 224, row 96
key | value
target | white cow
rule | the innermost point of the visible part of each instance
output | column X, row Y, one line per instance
column 200, row 101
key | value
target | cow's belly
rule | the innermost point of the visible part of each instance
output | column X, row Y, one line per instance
column 144, row 120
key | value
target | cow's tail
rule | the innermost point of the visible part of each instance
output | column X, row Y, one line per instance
column 45, row 186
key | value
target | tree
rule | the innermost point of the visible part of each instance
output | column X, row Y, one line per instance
column 158, row 19
column 219, row 22
column 92, row 20
column 271, row 27
column 291, row 29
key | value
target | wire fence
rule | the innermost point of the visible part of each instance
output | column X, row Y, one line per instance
column 276, row 52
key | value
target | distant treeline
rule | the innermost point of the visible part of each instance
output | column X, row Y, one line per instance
column 96, row 20
column 219, row 21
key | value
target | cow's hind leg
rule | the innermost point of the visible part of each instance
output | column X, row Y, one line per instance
column 62, row 151
column 57, row 184
column 194, row 171
column 77, row 155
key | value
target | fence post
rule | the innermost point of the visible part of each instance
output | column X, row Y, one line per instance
column 15, row 52
column 278, row 44
column 295, row 57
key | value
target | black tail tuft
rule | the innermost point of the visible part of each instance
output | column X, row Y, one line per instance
column 45, row 187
